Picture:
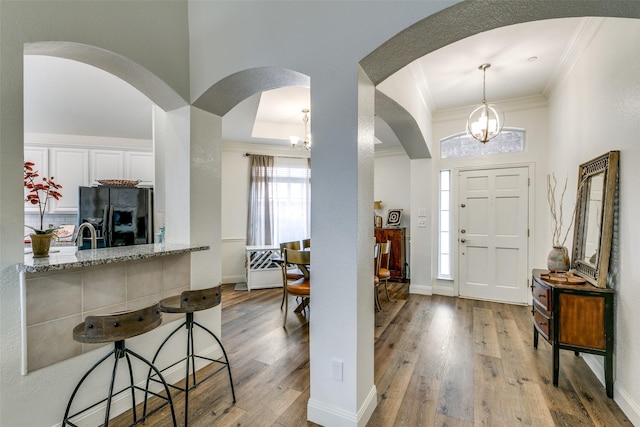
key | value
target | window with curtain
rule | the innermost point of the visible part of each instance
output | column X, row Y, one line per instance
column 279, row 200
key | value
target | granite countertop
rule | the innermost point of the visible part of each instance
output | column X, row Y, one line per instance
column 69, row 257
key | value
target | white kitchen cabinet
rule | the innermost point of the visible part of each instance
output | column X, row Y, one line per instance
column 74, row 167
column 70, row 168
column 40, row 157
column 139, row 166
column 106, row 164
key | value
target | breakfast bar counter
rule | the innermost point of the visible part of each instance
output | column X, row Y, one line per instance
column 60, row 290
column 67, row 257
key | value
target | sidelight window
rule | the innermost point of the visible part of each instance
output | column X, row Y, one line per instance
column 444, row 221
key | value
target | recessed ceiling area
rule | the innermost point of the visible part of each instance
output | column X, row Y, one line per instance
column 279, row 114
column 68, row 97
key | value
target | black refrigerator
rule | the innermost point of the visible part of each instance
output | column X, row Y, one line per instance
column 122, row 216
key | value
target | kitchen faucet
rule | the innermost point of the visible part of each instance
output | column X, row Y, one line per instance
column 92, row 231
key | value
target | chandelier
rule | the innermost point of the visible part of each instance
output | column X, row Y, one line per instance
column 485, row 122
column 306, row 142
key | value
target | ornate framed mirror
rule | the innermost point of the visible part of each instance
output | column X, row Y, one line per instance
column 593, row 228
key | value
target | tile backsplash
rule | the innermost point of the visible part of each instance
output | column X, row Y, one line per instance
column 33, row 219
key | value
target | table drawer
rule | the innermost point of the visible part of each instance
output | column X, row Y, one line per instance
column 542, row 323
column 542, row 297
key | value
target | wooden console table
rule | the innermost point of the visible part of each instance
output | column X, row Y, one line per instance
column 574, row 317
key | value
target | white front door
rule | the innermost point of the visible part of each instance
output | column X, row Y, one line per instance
column 493, row 211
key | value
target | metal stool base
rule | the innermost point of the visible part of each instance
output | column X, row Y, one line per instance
column 120, row 351
column 190, row 359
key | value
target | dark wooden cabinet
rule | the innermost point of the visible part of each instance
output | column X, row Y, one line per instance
column 397, row 261
column 574, row 317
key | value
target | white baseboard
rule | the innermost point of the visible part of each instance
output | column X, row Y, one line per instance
column 328, row 415
column 630, row 408
column 420, row 289
column 234, row 279
column 446, row 291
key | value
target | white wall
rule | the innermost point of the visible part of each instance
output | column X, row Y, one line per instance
column 391, row 184
column 235, row 202
column 594, row 110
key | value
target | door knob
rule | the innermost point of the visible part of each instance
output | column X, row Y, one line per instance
column 463, row 240
column 463, row 231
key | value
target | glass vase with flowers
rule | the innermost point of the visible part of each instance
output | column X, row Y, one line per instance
column 39, row 192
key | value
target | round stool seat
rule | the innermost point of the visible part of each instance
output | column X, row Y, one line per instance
column 189, row 302
column 118, row 326
column 192, row 300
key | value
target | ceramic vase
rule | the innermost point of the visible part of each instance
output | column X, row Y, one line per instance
column 40, row 244
column 558, row 259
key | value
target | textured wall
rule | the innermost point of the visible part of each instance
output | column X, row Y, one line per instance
column 595, row 110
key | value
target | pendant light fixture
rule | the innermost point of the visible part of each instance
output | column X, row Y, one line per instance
column 485, row 122
column 306, row 142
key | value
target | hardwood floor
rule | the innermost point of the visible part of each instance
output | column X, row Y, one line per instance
column 439, row 361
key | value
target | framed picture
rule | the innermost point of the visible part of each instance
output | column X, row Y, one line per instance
column 394, row 216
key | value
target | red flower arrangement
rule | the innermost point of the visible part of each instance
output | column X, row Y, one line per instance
column 39, row 194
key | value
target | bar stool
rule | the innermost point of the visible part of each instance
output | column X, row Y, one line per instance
column 116, row 328
column 189, row 302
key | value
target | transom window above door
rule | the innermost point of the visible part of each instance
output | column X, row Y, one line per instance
column 510, row 140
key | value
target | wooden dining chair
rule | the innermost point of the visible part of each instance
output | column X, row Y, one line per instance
column 376, row 279
column 306, row 244
column 383, row 272
column 289, row 272
column 301, row 287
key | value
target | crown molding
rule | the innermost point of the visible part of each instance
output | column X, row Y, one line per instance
column 390, row 152
column 581, row 40
column 508, row 105
column 422, row 87
column 87, row 141
column 264, row 149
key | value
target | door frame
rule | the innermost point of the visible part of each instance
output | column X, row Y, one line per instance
column 455, row 186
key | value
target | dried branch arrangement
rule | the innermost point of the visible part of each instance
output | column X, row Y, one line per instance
column 557, row 213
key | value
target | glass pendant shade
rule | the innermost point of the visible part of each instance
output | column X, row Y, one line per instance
column 486, row 121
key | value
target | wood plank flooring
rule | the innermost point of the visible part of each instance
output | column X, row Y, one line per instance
column 439, row 361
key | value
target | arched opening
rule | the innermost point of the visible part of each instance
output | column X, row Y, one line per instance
column 137, row 76
column 89, row 117
column 467, row 19
column 233, row 89
column 260, row 109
